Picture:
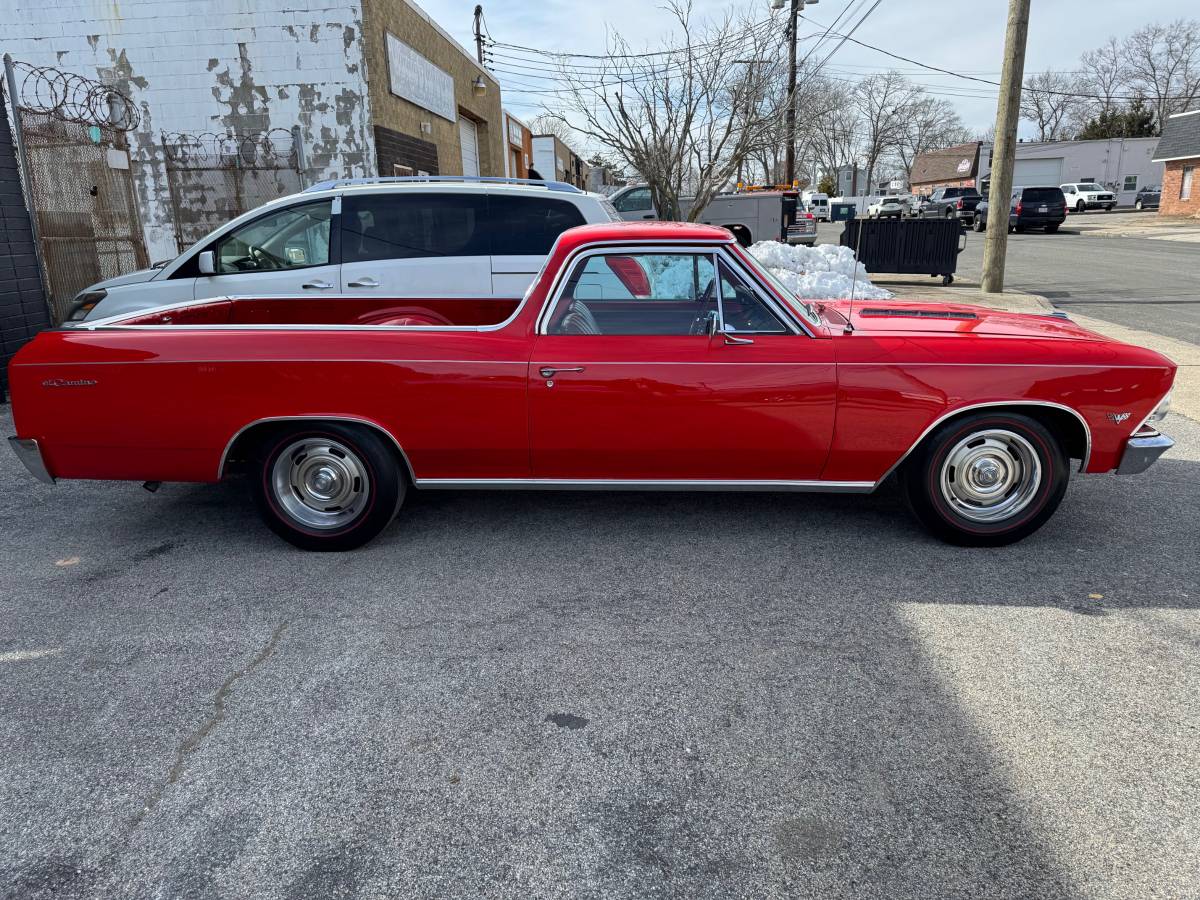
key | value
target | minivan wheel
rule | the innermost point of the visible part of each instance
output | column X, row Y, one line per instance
column 327, row 486
column 986, row 480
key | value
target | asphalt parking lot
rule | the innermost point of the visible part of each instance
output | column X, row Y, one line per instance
column 525, row 695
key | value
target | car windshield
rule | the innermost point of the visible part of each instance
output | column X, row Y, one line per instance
column 802, row 306
column 890, row 200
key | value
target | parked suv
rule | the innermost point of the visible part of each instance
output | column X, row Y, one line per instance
column 399, row 237
column 1030, row 207
column 1148, row 197
column 887, row 207
column 1088, row 195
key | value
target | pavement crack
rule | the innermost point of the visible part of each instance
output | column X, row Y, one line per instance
column 190, row 743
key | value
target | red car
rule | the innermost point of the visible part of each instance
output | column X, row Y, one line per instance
column 645, row 356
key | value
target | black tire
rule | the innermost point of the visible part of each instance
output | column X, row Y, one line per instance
column 1051, row 229
column 379, row 488
column 1138, row 205
column 1012, row 229
column 1019, row 229
column 977, row 225
column 949, row 214
column 934, row 505
column 1080, row 207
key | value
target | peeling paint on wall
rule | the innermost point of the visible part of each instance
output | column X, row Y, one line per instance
column 244, row 71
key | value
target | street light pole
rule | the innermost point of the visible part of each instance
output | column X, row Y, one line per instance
column 1004, row 146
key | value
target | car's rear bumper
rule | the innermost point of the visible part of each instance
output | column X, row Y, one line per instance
column 30, row 454
column 1037, row 221
column 1142, row 451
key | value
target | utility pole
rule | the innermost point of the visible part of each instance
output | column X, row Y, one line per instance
column 795, row 7
column 1004, row 146
column 479, row 34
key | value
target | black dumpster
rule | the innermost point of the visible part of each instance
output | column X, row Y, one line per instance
column 907, row 246
column 841, row 212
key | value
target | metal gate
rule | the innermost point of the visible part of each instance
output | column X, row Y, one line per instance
column 79, row 180
column 216, row 177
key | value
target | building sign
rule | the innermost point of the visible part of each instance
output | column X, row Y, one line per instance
column 964, row 167
column 417, row 80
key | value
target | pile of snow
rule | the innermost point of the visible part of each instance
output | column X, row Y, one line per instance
column 823, row 272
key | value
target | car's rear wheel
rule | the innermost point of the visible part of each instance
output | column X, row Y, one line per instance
column 327, row 486
column 1050, row 229
column 977, row 225
column 987, row 479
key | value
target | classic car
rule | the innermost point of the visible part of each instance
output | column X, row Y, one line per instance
column 646, row 355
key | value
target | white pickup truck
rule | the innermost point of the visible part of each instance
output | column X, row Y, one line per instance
column 751, row 216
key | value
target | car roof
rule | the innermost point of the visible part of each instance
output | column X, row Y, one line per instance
column 648, row 231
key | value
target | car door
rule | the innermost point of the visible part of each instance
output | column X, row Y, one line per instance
column 284, row 251
column 415, row 244
column 635, row 204
column 523, row 229
column 667, row 373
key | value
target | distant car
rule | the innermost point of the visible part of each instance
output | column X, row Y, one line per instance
column 1088, row 195
column 886, row 207
column 952, row 203
column 1031, row 207
column 916, row 203
column 803, row 230
column 1148, row 197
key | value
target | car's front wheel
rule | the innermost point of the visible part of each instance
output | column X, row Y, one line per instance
column 327, row 486
column 1138, row 205
column 987, row 479
column 1080, row 206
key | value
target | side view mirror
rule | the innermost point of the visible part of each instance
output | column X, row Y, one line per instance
column 207, row 263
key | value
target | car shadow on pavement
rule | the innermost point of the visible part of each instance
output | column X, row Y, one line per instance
column 543, row 695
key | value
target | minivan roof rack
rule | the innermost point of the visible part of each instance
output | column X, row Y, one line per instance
column 410, row 179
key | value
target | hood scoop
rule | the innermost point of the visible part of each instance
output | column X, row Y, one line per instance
column 919, row 313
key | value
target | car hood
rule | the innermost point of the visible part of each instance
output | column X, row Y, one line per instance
column 137, row 277
column 909, row 316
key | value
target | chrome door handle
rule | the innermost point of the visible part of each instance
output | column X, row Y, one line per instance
column 368, row 282
column 550, row 371
column 317, row 285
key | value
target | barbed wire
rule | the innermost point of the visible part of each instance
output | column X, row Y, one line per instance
column 73, row 98
column 260, row 149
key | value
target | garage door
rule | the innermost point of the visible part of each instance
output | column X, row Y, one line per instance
column 470, row 146
column 1037, row 172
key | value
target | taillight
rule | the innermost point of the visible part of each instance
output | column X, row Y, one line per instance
column 959, row 203
column 808, row 215
column 1018, row 207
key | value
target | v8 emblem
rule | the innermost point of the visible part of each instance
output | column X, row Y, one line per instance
column 1118, row 418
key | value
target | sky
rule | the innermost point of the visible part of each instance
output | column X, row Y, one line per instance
column 966, row 36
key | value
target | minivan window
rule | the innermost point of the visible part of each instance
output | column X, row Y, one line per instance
column 292, row 238
column 413, row 225
column 634, row 200
column 528, row 226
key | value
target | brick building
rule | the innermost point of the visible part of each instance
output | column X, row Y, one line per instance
column 1179, row 151
column 518, row 157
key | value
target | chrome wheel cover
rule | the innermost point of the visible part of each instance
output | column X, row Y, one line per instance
column 991, row 475
column 320, row 483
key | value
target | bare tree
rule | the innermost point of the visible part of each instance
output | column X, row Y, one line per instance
column 685, row 117
column 884, row 102
column 1164, row 66
column 1104, row 73
column 549, row 123
column 1050, row 101
column 930, row 123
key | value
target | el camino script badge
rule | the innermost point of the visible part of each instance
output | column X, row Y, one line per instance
column 1118, row 418
column 68, row 382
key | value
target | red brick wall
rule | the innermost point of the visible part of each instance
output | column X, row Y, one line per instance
column 930, row 186
column 1171, row 205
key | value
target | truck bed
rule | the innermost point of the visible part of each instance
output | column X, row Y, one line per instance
column 411, row 311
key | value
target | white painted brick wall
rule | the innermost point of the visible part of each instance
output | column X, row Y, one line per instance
column 308, row 61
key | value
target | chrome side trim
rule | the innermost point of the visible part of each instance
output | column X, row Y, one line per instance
column 1087, row 450
column 30, row 455
column 620, row 484
column 1142, row 452
column 315, row 417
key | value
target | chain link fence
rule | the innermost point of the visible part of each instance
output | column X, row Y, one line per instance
column 78, row 179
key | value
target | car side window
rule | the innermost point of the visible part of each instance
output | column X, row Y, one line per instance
column 528, row 226
column 292, row 238
column 413, row 225
column 637, row 293
column 639, row 198
column 742, row 309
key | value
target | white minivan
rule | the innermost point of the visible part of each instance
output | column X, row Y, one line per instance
column 401, row 237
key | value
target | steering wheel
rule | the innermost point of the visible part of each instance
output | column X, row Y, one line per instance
column 263, row 259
